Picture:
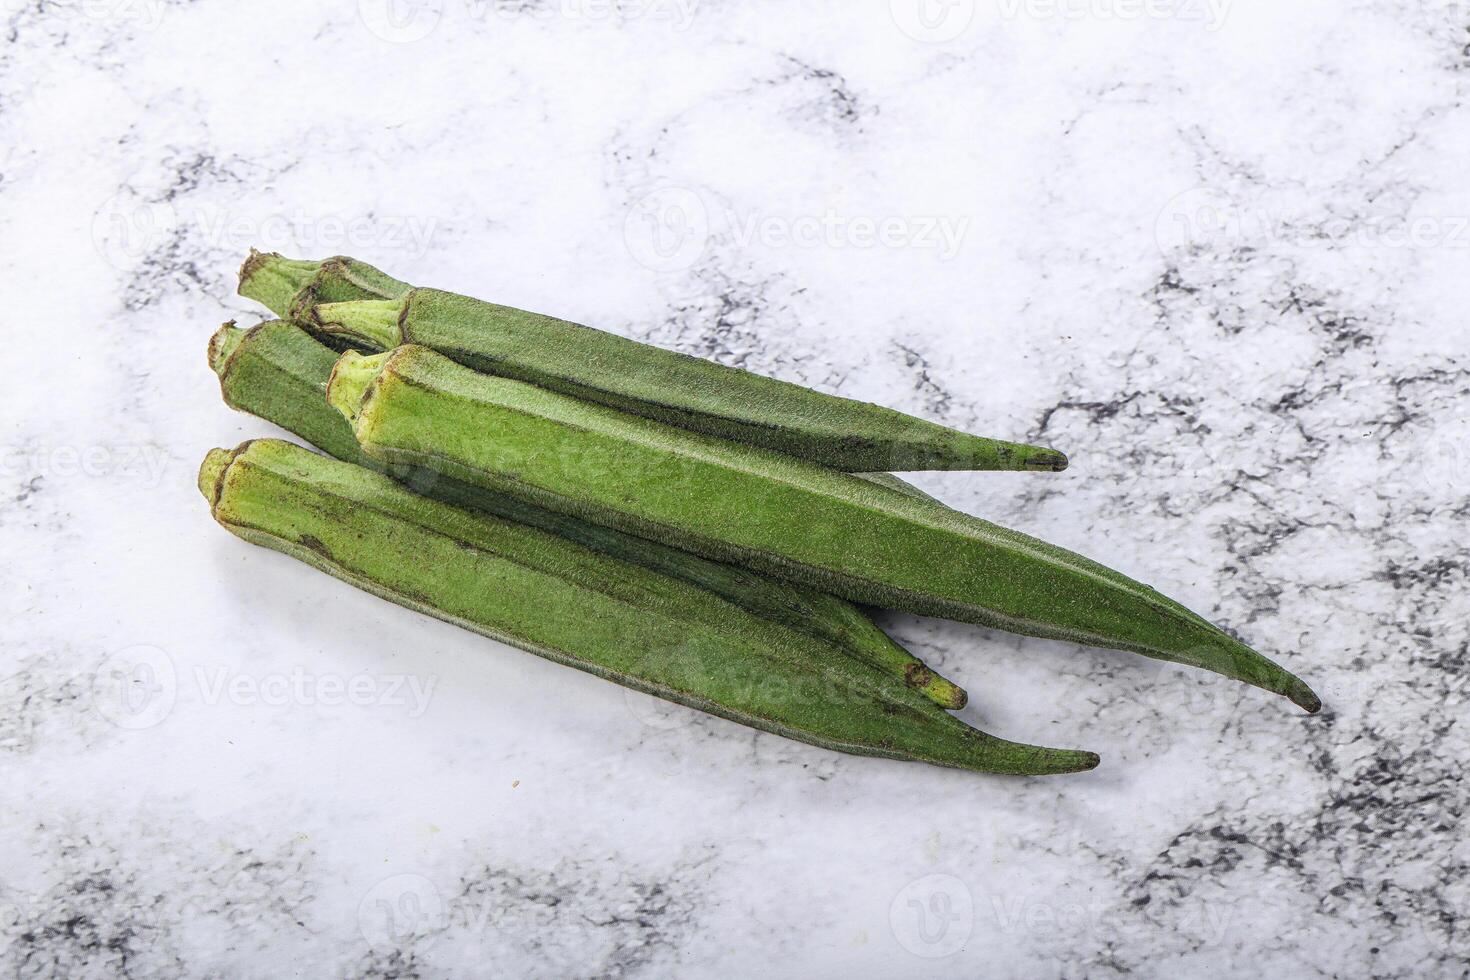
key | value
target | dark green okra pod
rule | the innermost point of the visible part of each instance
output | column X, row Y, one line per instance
column 767, row 511
column 578, row 607
column 278, row 372
column 344, row 298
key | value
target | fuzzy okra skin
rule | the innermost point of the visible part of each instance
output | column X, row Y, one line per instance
column 279, row 283
column 588, row 610
column 279, row 372
column 347, row 299
column 770, row 512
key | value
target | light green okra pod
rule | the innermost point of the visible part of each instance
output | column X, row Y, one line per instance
column 578, row 607
column 279, row 372
column 350, row 300
column 767, row 511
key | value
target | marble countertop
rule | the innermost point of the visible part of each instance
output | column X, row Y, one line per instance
column 1213, row 249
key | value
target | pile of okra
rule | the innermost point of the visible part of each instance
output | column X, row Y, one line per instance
column 687, row 529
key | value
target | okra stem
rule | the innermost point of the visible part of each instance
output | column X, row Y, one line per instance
column 224, row 342
column 273, row 280
column 569, row 604
column 770, row 512
column 280, row 283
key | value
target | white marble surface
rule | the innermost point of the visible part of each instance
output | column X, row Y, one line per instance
column 1216, row 251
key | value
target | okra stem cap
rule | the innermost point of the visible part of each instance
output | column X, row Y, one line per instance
column 351, row 378
column 375, row 322
column 273, row 280
column 215, row 463
column 223, row 343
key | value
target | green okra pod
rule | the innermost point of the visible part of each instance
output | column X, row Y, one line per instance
column 347, row 299
column 768, row 511
column 279, row 372
column 585, row 609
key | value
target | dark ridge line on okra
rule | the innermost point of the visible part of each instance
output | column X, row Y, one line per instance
column 559, row 575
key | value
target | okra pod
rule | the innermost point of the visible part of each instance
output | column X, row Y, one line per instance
column 578, row 607
column 605, row 368
column 767, row 511
column 279, row 372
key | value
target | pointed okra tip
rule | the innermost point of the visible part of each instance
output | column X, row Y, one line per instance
column 1058, row 762
column 352, row 377
column 1046, row 460
column 273, row 280
column 988, row 753
column 1074, row 760
column 1239, row 660
column 1303, row 696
